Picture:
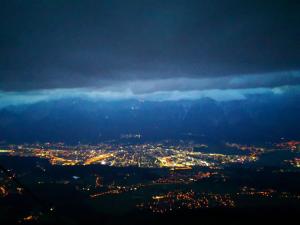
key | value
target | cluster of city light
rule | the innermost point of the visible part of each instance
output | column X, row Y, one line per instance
column 267, row 193
column 118, row 155
column 245, row 147
column 292, row 145
column 294, row 162
column 175, row 200
column 172, row 178
column 3, row 191
column 253, row 192
column 178, row 178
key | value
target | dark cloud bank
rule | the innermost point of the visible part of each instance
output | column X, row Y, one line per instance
column 76, row 44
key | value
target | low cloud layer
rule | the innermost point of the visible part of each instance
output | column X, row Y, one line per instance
column 249, row 81
column 154, row 90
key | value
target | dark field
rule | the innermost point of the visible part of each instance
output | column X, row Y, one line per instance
column 64, row 195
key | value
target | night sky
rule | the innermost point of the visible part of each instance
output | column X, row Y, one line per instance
column 143, row 47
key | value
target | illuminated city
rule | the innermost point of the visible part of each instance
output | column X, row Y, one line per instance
column 144, row 155
column 180, row 173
